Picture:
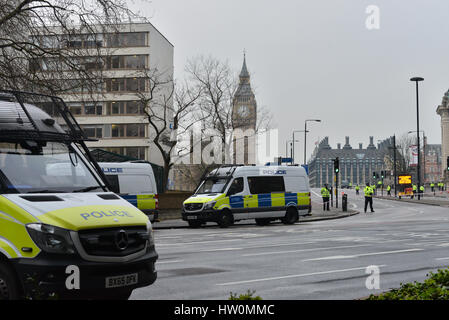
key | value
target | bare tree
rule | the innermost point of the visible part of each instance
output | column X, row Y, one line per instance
column 41, row 40
column 168, row 109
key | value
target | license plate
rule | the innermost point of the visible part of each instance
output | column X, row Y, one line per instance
column 192, row 217
column 121, row 281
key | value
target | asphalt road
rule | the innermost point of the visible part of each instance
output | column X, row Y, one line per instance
column 313, row 260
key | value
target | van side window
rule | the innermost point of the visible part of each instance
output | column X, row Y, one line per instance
column 236, row 187
column 113, row 182
column 259, row 185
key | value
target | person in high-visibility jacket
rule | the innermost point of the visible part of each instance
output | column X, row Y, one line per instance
column 389, row 190
column 432, row 187
column 421, row 190
column 357, row 188
column 325, row 194
column 368, row 197
column 414, row 190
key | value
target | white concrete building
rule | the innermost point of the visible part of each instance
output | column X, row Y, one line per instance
column 114, row 113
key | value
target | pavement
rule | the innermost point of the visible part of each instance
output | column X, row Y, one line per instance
column 426, row 199
column 316, row 215
column 327, row 259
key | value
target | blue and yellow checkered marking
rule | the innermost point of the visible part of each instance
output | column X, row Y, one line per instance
column 141, row 201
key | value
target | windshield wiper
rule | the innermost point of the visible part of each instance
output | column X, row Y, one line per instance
column 87, row 189
column 46, row 191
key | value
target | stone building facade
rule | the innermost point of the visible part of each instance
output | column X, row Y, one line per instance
column 356, row 165
column 443, row 112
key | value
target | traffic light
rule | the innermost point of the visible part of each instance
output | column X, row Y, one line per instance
column 336, row 165
column 374, row 175
column 447, row 165
column 382, row 174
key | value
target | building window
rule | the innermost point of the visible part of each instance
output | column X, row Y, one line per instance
column 124, row 108
column 130, row 39
column 125, row 85
column 127, row 62
column 131, row 130
column 133, row 152
column 93, row 131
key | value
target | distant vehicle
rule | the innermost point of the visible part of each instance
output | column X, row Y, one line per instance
column 134, row 181
column 344, row 185
column 263, row 193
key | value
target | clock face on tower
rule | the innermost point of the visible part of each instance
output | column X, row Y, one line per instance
column 243, row 111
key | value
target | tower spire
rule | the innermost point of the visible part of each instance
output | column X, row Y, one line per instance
column 244, row 73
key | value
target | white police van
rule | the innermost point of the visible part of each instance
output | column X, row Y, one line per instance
column 263, row 193
column 134, row 181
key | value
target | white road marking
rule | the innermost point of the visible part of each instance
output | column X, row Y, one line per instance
column 196, row 242
column 293, row 276
column 170, row 261
column 301, row 250
column 362, row 255
column 447, row 258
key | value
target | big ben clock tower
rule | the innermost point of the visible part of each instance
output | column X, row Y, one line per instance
column 244, row 118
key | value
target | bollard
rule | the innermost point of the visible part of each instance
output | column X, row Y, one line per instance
column 344, row 202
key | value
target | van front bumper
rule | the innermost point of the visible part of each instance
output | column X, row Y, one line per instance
column 47, row 274
column 203, row 216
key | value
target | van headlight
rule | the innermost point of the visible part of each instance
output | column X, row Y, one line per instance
column 51, row 239
column 209, row 205
column 150, row 234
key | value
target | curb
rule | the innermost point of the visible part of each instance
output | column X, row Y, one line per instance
column 349, row 214
column 413, row 201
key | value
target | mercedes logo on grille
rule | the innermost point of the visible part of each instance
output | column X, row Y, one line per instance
column 121, row 240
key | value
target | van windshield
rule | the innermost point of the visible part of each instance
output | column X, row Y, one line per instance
column 48, row 167
column 212, row 185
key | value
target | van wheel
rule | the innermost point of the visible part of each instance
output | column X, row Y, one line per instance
column 194, row 224
column 291, row 216
column 263, row 221
column 225, row 219
column 9, row 285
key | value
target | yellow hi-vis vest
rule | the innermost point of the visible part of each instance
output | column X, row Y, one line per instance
column 325, row 193
column 368, row 191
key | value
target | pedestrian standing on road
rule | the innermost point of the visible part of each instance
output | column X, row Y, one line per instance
column 325, row 194
column 368, row 197
column 414, row 190
column 421, row 190
column 389, row 190
column 357, row 188
column 432, row 187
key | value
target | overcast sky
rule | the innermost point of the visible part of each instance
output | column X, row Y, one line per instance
column 316, row 59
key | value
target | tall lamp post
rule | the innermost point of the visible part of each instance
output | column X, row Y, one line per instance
column 417, row 80
column 305, row 137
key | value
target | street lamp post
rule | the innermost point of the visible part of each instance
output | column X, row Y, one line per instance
column 305, row 137
column 416, row 80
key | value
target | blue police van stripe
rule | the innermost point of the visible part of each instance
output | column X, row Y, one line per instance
column 291, row 198
column 264, row 200
column 236, row 201
column 131, row 199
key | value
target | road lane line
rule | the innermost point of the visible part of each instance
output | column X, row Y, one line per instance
column 447, row 258
column 362, row 255
column 294, row 276
column 302, row 250
column 170, row 261
column 195, row 242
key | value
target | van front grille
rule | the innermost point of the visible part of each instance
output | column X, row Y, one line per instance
column 193, row 206
column 114, row 242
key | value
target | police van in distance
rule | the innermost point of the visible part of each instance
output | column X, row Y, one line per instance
column 134, row 181
column 264, row 193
